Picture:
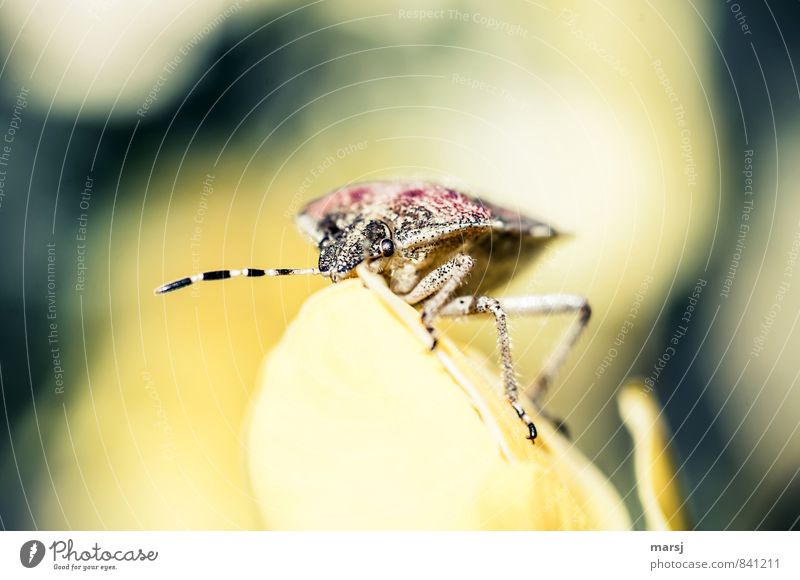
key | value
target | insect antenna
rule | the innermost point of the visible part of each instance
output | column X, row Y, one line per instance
column 244, row 272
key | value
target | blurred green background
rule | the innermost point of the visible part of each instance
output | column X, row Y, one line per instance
column 142, row 142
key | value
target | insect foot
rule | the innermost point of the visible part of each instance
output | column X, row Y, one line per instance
column 532, row 433
column 426, row 319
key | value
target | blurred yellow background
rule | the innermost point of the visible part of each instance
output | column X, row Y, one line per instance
column 599, row 119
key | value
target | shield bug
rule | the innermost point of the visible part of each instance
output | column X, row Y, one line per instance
column 427, row 242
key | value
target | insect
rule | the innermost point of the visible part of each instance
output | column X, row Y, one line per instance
column 436, row 248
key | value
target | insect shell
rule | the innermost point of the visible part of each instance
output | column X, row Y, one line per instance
column 407, row 229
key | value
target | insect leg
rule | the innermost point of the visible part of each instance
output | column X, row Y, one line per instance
column 546, row 305
column 224, row 274
column 377, row 284
column 487, row 305
column 440, row 284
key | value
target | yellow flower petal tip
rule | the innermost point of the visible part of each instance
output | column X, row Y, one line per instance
column 356, row 425
column 656, row 475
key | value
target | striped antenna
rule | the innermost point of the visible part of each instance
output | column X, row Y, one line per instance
column 244, row 272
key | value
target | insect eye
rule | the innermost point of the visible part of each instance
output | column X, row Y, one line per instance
column 387, row 247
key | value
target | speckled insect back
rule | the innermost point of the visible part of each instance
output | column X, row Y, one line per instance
column 425, row 240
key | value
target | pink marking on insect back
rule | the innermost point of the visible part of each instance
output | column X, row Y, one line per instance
column 440, row 204
column 413, row 193
column 345, row 200
column 358, row 194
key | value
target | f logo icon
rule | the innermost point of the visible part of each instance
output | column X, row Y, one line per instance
column 31, row 553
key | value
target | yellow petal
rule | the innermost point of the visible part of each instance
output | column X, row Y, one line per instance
column 357, row 425
column 656, row 477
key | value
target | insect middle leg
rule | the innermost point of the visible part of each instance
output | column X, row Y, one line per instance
column 487, row 305
column 527, row 305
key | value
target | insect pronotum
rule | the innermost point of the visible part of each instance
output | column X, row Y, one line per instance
column 425, row 240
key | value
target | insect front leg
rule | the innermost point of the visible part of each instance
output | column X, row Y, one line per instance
column 438, row 286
